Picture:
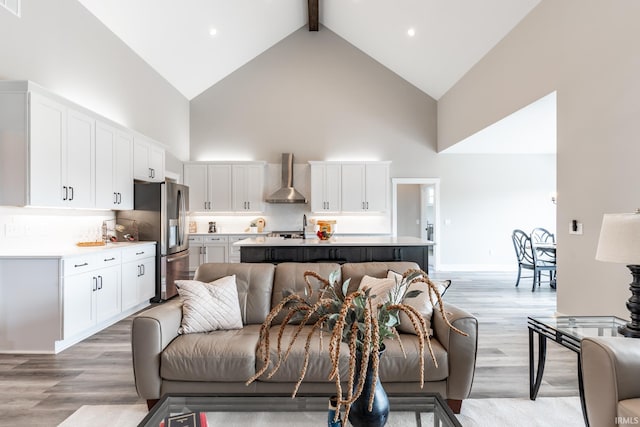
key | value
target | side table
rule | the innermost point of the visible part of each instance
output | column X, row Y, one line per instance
column 568, row 331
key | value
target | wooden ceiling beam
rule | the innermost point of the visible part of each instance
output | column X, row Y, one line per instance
column 313, row 15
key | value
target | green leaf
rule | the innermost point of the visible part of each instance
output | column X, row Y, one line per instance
column 333, row 276
column 412, row 294
column 345, row 286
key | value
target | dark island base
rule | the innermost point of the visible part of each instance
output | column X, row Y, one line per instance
column 337, row 254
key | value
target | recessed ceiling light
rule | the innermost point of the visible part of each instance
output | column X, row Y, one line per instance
column 212, row 31
column 411, row 32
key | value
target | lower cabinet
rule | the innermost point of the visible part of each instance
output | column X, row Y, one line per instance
column 202, row 249
column 90, row 297
column 138, row 277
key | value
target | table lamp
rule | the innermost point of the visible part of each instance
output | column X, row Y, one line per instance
column 620, row 242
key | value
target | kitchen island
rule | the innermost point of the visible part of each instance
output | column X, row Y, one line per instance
column 339, row 249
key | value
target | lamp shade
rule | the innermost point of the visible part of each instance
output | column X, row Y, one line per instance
column 620, row 239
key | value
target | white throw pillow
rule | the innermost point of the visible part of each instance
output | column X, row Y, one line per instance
column 209, row 306
column 380, row 288
column 421, row 302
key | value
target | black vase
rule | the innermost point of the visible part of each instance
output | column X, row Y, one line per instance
column 359, row 414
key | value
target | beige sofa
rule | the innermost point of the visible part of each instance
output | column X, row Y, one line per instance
column 611, row 379
column 220, row 362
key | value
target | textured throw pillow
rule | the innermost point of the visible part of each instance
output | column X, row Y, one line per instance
column 209, row 306
column 380, row 288
column 421, row 302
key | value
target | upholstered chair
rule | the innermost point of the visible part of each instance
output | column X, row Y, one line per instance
column 611, row 376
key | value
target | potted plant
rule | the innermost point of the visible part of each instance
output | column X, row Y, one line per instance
column 360, row 319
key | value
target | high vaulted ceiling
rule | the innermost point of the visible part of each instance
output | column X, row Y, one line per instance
column 173, row 36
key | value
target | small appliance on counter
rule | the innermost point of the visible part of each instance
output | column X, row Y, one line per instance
column 212, row 227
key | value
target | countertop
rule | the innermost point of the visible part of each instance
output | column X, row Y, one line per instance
column 336, row 241
column 58, row 250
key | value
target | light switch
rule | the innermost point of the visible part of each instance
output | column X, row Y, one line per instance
column 575, row 227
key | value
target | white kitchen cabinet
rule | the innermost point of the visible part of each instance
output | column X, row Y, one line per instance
column 60, row 145
column 210, row 248
column 55, row 153
column 325, row 187
column 91, row 291
column 209, row 187
column 114, row 168
column 365, row 187
column 148, row 160
column 138, row 275
column 248, row 187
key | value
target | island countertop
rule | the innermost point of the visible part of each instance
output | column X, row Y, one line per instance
column 335, row 241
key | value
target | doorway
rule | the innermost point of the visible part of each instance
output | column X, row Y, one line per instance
column 416, row 212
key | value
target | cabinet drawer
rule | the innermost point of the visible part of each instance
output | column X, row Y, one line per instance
column 195, row 239
column 207, row 240
column 138, row 252
column 80, row 264
column 109, row 258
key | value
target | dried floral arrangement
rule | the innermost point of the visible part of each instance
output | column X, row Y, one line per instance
column 353, row 319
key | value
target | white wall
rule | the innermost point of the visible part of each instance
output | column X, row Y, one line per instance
column 61, row 46
column 319, row 97
column 587, row 51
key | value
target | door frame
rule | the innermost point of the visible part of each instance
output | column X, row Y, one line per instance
column 395, row 182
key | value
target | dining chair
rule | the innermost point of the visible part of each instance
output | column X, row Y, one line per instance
column 527, row 258
column 540, row 239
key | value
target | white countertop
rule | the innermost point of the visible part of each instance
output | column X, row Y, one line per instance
column 49, row 249
column 336, row 241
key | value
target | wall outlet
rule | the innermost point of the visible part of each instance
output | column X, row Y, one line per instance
column 575, row 227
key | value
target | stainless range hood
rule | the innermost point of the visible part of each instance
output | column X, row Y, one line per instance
column 286, row 193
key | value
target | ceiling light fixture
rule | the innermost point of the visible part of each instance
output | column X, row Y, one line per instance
column 213, row 32
column 411, row 32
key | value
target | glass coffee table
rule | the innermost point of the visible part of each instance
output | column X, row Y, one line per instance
column 568, row 331
column 428, row 409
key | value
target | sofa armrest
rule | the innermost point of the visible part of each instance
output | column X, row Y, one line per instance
column 610, row 371
column 151, row 332
column 462, row 350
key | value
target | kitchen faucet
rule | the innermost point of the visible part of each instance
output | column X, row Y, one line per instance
column 304, row 226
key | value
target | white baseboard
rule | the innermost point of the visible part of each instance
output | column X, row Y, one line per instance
column 477, row 267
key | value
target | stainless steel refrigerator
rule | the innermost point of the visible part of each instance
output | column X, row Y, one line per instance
column 160, row 210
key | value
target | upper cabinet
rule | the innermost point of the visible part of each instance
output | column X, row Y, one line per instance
column 248, row 187
column 54, row 153
column 225, row 187
column 114, row 168
column 148, row 160
column 365, row 187
column 325, row 187
column 58, row 169
column 349, row 187
column 209, row 187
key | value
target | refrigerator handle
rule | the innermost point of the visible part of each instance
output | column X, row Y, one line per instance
column 182, row 213
column 181, row 255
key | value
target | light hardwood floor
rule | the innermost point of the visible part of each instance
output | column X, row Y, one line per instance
column 43, row 390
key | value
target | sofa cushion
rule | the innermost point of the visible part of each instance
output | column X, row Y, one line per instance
column 209, row 306
column 319, row 365
column 254, row 283
column 213, row 356
column 629, row 409
column 394, row 367
column 290, row 276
